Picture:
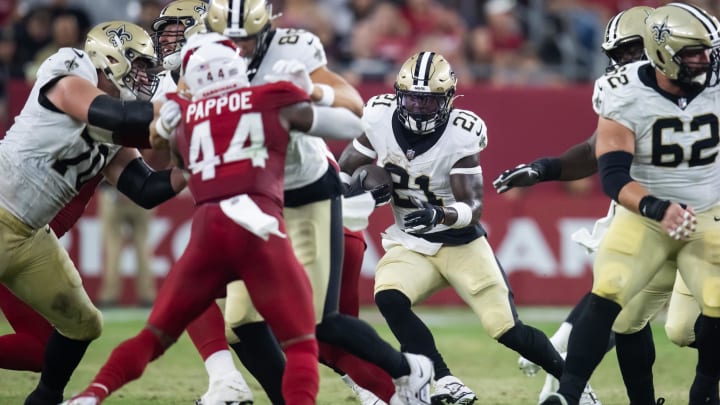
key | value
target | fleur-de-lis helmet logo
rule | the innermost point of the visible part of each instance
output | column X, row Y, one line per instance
column 200, row 8
column 118, row 36
column 660, row 32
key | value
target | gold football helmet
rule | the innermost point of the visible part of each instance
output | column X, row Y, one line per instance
column 623, row 41
column 425, row 88
column 124, row 52
column 241, row 19
column 676, row 28
column 189, row 14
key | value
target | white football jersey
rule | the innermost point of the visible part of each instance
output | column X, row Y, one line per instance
column 47, row 155
column 166, row 85
column 306, row 161
column 422, row 174
column 676, row 139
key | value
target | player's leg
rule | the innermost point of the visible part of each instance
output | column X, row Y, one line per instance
column 254, row 343
column 635, row 348
column 321, row 253
column 225, row 383
column 478, row 279
column 682, row 314
column 282, row 294
column 631, row 253
column 25, row 348
column 198, row 278
column 700, row 270
column 402, row 279
column 41, row 274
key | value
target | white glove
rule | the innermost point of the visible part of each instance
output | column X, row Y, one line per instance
column 292, row 71
column 170, row 115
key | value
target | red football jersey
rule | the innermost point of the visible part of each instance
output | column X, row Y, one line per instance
column 234, row 143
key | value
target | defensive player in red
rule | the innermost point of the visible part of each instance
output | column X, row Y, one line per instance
column 233, row 140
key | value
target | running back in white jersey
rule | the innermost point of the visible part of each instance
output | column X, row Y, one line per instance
column 47, row 155
column 422, row 174
column 306, row 160
column 676, row 139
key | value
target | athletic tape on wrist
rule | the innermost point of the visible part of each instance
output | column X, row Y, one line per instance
column 464, row 214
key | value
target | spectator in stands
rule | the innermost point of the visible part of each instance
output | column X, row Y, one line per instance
column 66, row 32
column 295, row 14
column 32, row 33
column 149, row 10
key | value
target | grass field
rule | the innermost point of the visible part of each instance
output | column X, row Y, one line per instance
column 487, row 367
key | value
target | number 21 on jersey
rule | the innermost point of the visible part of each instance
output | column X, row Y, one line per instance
column 203, row 157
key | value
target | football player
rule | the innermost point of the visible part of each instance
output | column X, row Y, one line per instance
column 313, row 213
column 431, row 149
column 665, row 210
column 63, row 138
column 237, row 188
column 177, row 22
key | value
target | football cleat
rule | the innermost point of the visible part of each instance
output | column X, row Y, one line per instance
column 588, row 397
column 82, row 400
column 366, row 397
column 229, row 390
column 555, row 399
column 450, row 390
column 414, row 388
column 528, row 368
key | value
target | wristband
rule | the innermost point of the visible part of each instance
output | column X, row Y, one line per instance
column 328, row 95
column 464, row 214
column 161, row 130
column 653, row 207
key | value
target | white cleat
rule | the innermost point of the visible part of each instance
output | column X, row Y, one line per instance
column 550, row 387
column 86, row 400
column 414, row 388
column 588, row 397
column 528, row 368
column 450, row 390
column 366, row 397
column 229, row 390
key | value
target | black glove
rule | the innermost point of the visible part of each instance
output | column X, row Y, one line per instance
column 545, row 169
column 425, row 218
column 381, row 194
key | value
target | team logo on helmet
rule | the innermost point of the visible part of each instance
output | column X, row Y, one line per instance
column 200, row 8
column 119, row 36
column 660, row 32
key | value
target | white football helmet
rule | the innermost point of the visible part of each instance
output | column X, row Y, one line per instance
column 124, row 52
column 213, row 69
column 189, row 14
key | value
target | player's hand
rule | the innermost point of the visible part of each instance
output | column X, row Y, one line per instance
column 292, row 71
column 679, row 221
column 170, row 115
column 521, row 176
column 381, row 193
column 425, row 218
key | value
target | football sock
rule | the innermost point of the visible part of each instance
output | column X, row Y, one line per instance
column 219, row 364
column 587, row 345
column 260, row 353
column 636, row 355
column 363, row 373
column 301, row 381
column 62, row 355
column 360, row 339
column 532, row 344
column 207, row 332
column 577, row 310
column 560, row 338
column 413, row 335
column 704, row 389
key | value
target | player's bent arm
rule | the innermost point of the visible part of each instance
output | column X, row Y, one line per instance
column 579, row 161
column 146, row 187
column 325, row 122
column 343, row 94
column 82, row 100
column 467, row 187
column 359, row 152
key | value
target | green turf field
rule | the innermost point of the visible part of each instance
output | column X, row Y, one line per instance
column 487, row 367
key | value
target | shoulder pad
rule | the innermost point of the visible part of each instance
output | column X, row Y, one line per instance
column 468, row 128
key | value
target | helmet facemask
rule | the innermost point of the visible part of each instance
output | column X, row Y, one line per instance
column 694, row 76
column 177, row 22
column 140, row 81
column 627, row 52
column 423, row 112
